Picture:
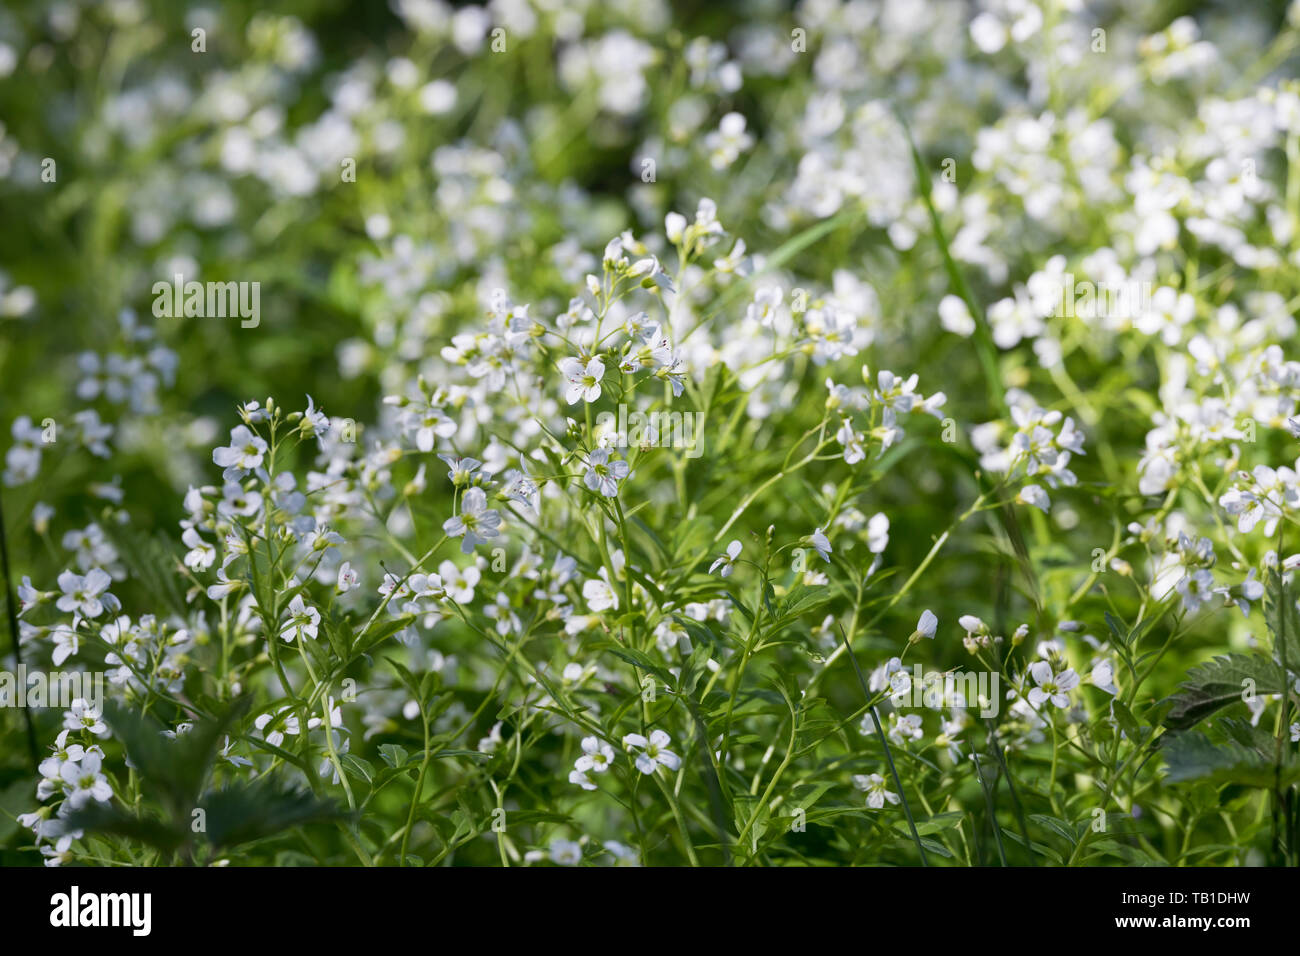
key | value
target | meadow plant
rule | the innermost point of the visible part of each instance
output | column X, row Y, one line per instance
column 629, row 434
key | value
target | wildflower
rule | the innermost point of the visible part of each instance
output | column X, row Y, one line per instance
column 925, row 627
column 1035, row 497
column 597, row 757
column 602, row 475
column 565, row 852
column 201, row 554
column 821, row 543
column 223, row 586
column 727, row 562
column 458, row 583
column 582, row 381
column 476, row 522
column 599, row 595
column 874, row 785
column 29, row 597
column 877, row 534
column 1195, row 589
column 304, row 621
column 653, row 752
column 314, row 422
column 82, row 594
column 85, row 782
column 1249, row 590
column 461, row 470
column 1103, row 677
column 82, row 715
column 65, row 643
column 244, row 453
column 1052, row 687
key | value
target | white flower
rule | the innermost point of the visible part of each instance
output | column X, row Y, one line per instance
column 926, row 626
column 1035, row 497
column 347, row 579
column 874, row 785
column 821, row 543
column 28, row 596
column 581, row 779
column 476, row 521
column 244, row 453
column 460, row 470
column 599, row 595
column 85, row 782
column 653, row 752
column 286, row 723
column 81, row 594
column 877, row 533
column 565, row 852
column 83, row 716
column 1196, row 589
column 623, row 855
column 602, row 475
column 727, row 561
column 1103, row 677
column 201, row 554
column 223, row 586
column 582, row 381
column 728, row 142
column 1051, row 687
column 303, row 620
column 597, row 756
column 458, row 583
column 955, row 317
column 65, row 643
column 314, row 421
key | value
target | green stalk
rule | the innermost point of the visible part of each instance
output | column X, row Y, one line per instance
column 993, row 814
column 889, row 757
column 11, row 606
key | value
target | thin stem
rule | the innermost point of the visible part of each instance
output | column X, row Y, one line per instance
column 11, row 606
column 880, row 732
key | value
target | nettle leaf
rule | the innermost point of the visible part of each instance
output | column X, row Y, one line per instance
column 241, row 813
column 1283, row 620
column 174, row 769
column 1219, row 683
column 1193, row 756
column 104, row 819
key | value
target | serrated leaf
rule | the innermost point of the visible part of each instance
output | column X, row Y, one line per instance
column 1217, row 684
column 1193, row 756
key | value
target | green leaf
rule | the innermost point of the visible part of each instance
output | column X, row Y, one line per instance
column 358, row 767
column 379, row 632
column 1283, row 620
column 1193, row 756
column 242, row 812
column 1217, row 684
column 1127, row 722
